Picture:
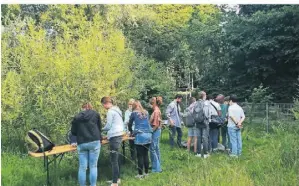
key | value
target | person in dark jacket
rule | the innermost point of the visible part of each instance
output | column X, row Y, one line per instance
column 86, row 126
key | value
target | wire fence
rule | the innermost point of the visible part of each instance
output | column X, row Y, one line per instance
column 268, row 113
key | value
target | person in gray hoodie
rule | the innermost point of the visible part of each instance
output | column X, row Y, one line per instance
column 115, row 128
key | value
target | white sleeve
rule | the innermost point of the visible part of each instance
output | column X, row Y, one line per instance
column 242, row 113
column 109, row 121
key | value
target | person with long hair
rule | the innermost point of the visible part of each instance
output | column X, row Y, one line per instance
column 115, row 128
column 155, row 121
column 86, row 126
column 143, row 137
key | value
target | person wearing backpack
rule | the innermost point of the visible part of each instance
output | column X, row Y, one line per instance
column 192, row 129
column 115, row 128
column 201, row 117
column 173, row 113
column 215, row 110
column 86, row 126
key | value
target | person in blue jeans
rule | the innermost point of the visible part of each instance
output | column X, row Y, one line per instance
column 143, row 137
column 86, row 126
column 236, row 117
column 214, row 109
column 155, row 121
column 115, row 128
column 174, row 115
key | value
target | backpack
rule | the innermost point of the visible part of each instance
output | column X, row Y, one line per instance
column 189, row 120
column 38, row 142
column 198, row 113
column 216, row 121
column 70, row 138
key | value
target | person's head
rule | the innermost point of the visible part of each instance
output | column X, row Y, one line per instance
column 214, row 95
column 232, row 99
column 220, row 98
column 107, row 102
column 226, row 100
column 138, row 107
column 130, row 103
column 178, row 98
column 192, row 100
column 202, row 95
column 156, row 101
column 86, row 106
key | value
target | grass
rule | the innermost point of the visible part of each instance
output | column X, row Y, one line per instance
column 267, row 159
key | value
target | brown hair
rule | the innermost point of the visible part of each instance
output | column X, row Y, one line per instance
column 192, row 100
column 106, row 99
column 201, row 94
column 87, row 106
column 156, row 101
column 138, row 107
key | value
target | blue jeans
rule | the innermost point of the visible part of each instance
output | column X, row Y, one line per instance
column 225, row 137
column 172, row 132
column 203, row 138
column 235, row 140
column 88, row 155
column 155, row 151
column 213, row 142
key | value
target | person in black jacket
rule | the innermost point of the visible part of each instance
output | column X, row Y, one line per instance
column 86, row 126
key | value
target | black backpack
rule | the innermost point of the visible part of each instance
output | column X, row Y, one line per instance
column 198, row 113
column 38, row 142
column 70, row 138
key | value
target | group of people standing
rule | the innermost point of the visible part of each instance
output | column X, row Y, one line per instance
column 145, row 128
column 205, row 134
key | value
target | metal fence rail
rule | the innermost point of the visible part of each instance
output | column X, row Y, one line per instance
column 268, row 112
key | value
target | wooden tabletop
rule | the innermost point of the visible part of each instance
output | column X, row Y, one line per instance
column 66, row 148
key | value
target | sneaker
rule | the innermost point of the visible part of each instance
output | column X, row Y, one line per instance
column 110, row 181
column 206, row 155
column 198, row 155
column 139, row 176
column 146, row 175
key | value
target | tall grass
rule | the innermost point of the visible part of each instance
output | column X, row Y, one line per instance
column 267, row 159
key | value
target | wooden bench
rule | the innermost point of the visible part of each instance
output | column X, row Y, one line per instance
column 59, row 151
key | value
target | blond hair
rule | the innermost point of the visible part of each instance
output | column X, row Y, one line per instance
column 138, row 107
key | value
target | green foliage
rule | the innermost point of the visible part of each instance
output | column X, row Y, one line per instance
column 46, row 77
column 295, row 109
column 261, row 95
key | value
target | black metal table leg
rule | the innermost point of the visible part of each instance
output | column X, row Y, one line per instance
column 47, row 169
column 124, row 151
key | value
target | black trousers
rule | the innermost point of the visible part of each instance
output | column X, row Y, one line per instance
column 142, row 157
column 114, row 144
column 132, row 150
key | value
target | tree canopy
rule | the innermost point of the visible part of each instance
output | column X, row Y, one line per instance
column 54, row 57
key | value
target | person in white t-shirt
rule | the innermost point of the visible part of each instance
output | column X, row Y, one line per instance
column 215, row 109
column 236, row 117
